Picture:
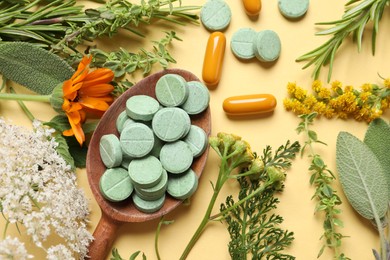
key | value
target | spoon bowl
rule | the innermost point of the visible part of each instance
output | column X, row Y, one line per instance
column 113, row 213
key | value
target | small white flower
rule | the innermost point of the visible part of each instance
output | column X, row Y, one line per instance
column 59, row 252
column 12, row 248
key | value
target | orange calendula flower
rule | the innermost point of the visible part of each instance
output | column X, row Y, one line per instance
column 86, row 90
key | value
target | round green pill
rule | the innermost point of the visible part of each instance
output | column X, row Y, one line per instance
column 126, row 161
column 155, row 192
column 148, row 206
column 182, row 186
column 198, row 98
column 158, row 144
column 215, row 15
column 176, row 157
column 120, row 121
column 136, row 140
column 293, row 9
column 110, row 150
column 115, row 184
column 267, row 45
column 171, row 123
column 145, row 172
column 241, row 43
column 171, row 90
column 141, row 107
column 197, row 140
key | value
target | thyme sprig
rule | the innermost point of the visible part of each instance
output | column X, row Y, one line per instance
column 322, row 179
column 357, row 15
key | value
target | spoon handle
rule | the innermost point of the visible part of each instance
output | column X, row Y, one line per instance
column 104, row 236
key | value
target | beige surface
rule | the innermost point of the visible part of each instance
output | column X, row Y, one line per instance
column 239, row 78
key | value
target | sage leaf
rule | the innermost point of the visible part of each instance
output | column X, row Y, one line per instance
column 361, row 176
column 378, row 139
column 33, row 67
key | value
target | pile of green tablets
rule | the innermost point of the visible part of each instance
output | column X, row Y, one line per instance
column 156, row 146
column 265, row 45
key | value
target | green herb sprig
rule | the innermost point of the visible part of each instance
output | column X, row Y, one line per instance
column 322, row 179
column 357, row 15
column 123, row 62
column 65, row 28
column 254, row 229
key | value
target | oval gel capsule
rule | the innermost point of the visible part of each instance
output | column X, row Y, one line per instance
column 213, row 59
column 252, row 7
column 249, row 104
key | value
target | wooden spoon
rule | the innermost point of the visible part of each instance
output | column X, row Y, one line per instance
column 115, row 214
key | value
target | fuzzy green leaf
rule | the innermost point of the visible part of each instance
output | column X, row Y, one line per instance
column 378, row 139
column 33, row 67
column 362, row 177
column 63, row 150
column 79, row 153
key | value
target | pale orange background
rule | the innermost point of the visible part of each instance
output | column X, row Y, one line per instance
column 239, row 78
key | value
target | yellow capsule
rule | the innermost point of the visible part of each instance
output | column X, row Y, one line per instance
column 213, row 59
column 252, row 7
column 249, row 104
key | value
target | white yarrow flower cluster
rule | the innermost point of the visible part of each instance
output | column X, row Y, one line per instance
column 39, row 190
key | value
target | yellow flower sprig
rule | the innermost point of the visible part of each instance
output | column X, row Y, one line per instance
column 364, row 104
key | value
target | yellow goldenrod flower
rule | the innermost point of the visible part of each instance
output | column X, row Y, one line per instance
column 367, row 87
column 324, row 93
column 386, row 82
column 291, row 88
column 364, row 104
column 336, row 87
column 300, row 93
column 309, row 101
column 316, row 86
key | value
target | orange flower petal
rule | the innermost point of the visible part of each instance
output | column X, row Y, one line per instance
column 98, row 76
column 82, row 69
column 68, row 132
column 70, row 89
column 74, row 121
column 94, row 103
column 74, row 117
column 71, row 106
column 96, row 90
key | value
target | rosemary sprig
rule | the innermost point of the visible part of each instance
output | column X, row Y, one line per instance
column 327, row 198
column 357, row 15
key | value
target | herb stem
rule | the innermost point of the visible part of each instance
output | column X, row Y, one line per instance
column 382, row 236
column 260, row 189
column 24, row 107
column 25, row 97
column 224, row 171
column 202, row 225
column 5, row 228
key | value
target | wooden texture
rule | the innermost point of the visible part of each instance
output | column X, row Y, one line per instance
column 113, row 214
